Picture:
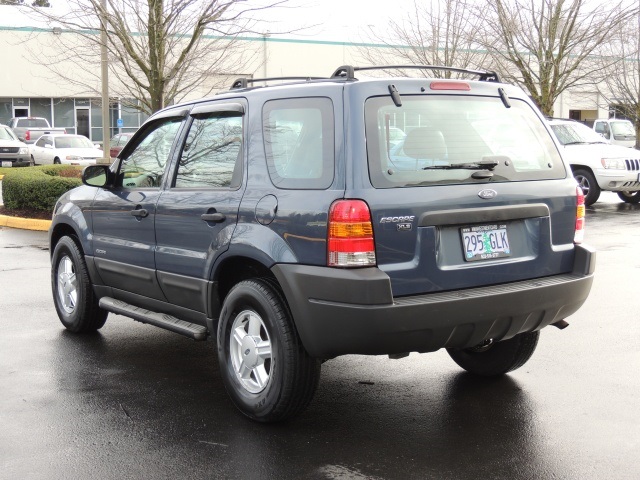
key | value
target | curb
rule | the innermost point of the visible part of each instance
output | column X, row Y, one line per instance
column 25, row 223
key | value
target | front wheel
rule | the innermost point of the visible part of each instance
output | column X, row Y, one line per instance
column 73, row 296
column 496, row 358
column 589, row 186
column 629, row 197
column 56, row 161
column 266, row 370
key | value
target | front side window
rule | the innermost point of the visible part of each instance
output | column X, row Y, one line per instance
column 212, row 154
column 436, row 140
column 299, row 142
column 145, row 165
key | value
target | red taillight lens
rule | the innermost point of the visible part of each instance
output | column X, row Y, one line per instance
column 27, row 135
column 580, row 214
column 350, row 242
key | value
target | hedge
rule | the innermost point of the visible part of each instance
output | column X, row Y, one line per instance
column 38, row 187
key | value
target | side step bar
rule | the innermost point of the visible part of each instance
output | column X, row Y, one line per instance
column 162, row 320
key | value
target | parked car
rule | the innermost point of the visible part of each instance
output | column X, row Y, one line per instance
column 118, row 142
column 272, row 221
column 13, row 152
column 617, row 131
column 65, row 149
column 596, row 164
column 30, row 129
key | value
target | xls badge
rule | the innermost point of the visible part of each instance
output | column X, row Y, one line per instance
column 403, row 223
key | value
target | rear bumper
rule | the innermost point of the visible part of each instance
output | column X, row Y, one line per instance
column 340, row 312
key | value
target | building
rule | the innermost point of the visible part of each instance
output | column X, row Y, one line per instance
column 28, row 87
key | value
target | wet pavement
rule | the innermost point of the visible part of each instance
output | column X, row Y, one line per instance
column 136, row 402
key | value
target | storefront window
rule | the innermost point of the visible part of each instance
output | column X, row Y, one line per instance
column 41, row 107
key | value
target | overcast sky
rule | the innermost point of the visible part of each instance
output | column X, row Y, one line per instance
column 336, row 20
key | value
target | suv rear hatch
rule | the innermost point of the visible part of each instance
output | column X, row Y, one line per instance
column 469, row 187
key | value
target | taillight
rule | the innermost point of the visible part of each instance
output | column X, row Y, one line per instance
column 27, row 135
column 580, row 213
column 350, row 235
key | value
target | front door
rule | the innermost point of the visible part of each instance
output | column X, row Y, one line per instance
column 123, row 216
column 83, row 126
column 196, row 216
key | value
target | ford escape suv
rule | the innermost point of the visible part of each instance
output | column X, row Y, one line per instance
column 297, row 222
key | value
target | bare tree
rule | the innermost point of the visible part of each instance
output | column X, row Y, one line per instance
column 434, row 32
column 622, row 78
column 549, row 46
column 159, row 50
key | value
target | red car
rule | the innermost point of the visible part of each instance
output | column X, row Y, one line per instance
column 117, row 143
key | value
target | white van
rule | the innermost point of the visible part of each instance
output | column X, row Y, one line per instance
column 617, row 131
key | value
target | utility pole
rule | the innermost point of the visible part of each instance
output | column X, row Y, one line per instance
column 106, row 131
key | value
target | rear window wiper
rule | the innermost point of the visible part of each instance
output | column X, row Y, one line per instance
column 464, row 166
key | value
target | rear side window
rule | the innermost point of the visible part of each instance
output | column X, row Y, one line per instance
column 212, row 154
column 439, row 139
column 299, row 142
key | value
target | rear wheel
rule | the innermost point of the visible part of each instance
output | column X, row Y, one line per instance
column 496, row 358
column 629, row 197
column 73, row 296
column 266, row 371
column 589, row 186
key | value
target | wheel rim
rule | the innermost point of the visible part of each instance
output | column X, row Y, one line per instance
column 250, row 350
column 67, row 285
column 583, row 182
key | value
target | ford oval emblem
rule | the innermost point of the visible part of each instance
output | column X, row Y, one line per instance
column 487, row 193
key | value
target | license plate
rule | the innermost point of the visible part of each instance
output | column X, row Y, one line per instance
column 484, row 242
column 7, row 164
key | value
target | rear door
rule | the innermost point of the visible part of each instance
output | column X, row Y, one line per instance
column 475, row 192
column 197, row 214
column 123, row 217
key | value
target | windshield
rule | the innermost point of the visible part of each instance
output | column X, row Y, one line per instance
column 6, row 134
column 73, row 142
column 575, row 134
column 447, row 139
column 622, row 128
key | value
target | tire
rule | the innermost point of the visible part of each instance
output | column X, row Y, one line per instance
column 629, row 197
column 498, row 358
column 32, row 163
column 265, row 369
column 56, row 161
column 73, row 296
column 589, row 186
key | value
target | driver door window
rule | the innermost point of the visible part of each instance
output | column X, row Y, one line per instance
column 145, row 165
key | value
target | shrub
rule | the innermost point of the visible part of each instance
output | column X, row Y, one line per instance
column 38, row 187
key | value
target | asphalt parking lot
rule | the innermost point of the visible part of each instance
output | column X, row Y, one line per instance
column 137, row 402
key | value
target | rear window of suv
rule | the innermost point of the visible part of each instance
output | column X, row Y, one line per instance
column 440, row 139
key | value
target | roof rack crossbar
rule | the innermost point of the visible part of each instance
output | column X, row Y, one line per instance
column 244, row 82
column 348, row 71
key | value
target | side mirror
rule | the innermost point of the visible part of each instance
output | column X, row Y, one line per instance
column 96, row 176
column 22, row 139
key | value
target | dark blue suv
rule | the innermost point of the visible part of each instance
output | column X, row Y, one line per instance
column 297, row 222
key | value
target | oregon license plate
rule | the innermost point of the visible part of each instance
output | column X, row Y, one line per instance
column 7, row 164
column 484, row 242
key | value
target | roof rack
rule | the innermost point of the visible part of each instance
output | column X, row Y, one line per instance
column 244, row 82
column 347, row 72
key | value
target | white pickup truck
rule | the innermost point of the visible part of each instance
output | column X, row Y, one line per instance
column 596, row 164
column 617, row 131
column 30, row 129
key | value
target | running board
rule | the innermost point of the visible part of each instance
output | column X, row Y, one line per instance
column 162, row 320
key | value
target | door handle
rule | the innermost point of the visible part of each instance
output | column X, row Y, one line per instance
column 213, row 217
column 140, row 213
